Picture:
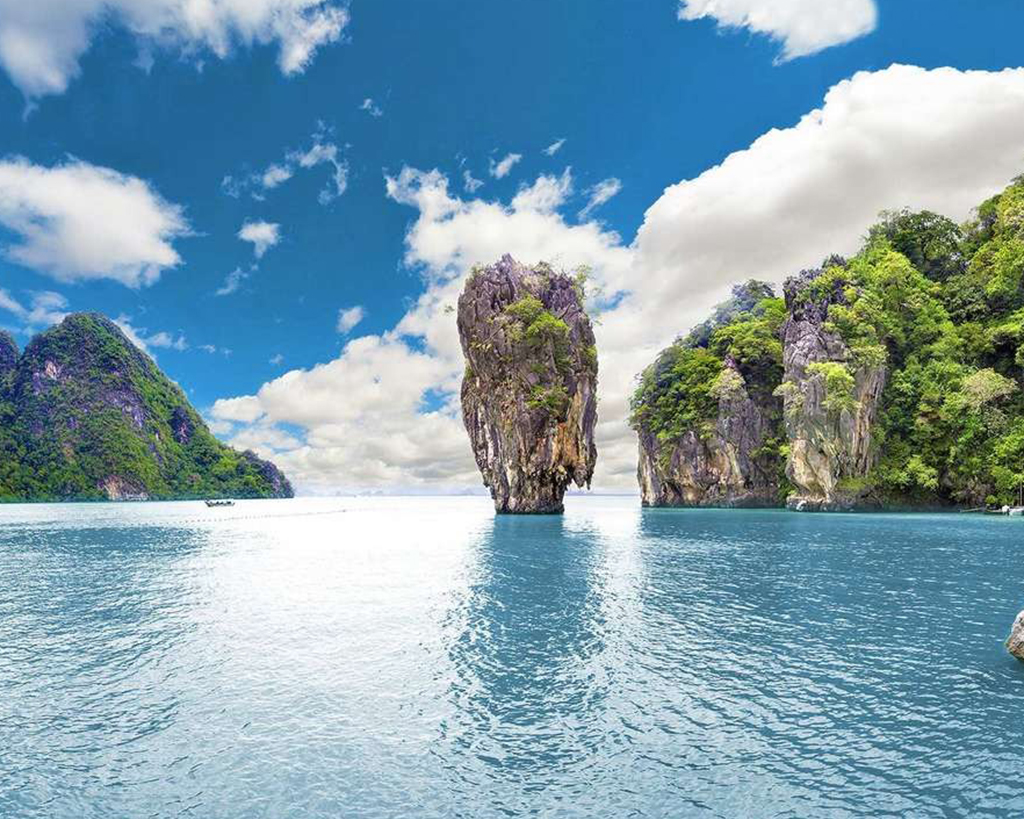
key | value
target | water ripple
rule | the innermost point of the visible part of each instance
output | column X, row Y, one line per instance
column 395, row 658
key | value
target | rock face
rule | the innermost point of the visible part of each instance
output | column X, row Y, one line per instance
column 529, row 398
column 723, row 467
column 86, row 415
column 1015, row 643
column 830, row 402
column 707, row 419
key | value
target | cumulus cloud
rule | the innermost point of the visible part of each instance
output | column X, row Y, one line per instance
column 262, row 235
column 146, row 341
column 942, row 140
column 348, row 318
column 276, row 359
column 545, row 195
column 78, row 221
column 599, row 194
column 802, row 26
column 554, row 147
column 502, row 168
column 44, row 309
column 42, row 42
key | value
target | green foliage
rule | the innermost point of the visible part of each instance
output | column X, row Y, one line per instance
column 85, row 406
column 554, row 400
column 839, row 385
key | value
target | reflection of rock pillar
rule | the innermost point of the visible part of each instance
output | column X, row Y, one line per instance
column 1015, row 643
column 524, row 691
column 529, row 398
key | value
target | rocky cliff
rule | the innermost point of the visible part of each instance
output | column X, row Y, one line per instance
column 900, row 374
column 706, row 415
column 830, row 401
column 529, row 398
column 84, row 414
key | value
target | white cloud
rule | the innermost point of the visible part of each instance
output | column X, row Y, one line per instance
column 371, row 108
column 276, row 359
column 146, row 341
column 599, row 194
column 554, row 147
column 501, row 169
column 275, row 175
column 41, row 42
column 45, row 308
column 208, row 348
column 802, row 26
column 232, row 282
column 470, row 183
column 322, row 152
column 78, row 221
column 348, row 318
column 943, row 140
column 545, row 195
column 262, row 235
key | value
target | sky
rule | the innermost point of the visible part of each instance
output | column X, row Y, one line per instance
column 278, row 199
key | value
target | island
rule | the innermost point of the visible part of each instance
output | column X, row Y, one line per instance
column 529, row 399
column 86, row 415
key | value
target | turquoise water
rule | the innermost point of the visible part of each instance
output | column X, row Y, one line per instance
column 421, row 658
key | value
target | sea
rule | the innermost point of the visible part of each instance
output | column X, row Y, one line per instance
column 421, row 657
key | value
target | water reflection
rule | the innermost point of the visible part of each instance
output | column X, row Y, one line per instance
column 529, row 688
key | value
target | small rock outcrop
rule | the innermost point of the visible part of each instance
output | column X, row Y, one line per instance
column 529, row 399
column 1015, row 642
column 829, row 401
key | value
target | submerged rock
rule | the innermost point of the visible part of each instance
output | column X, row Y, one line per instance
column 829, row 401
column 529, row 398
column 1015, row 642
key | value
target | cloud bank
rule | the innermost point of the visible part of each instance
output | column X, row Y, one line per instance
column 384, row 413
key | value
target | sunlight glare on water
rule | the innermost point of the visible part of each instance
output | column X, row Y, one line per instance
column 419, row 657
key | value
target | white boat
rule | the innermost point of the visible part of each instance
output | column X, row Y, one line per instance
column 222, row 502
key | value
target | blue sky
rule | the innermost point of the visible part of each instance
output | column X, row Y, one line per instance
column 180, row 122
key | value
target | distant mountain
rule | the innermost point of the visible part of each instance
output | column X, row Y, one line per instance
column 85, row 415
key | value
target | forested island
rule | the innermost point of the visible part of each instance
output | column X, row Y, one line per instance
column 86, row 415
column 888, row 380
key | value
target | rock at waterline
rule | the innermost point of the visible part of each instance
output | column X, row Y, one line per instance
column 529, row 399
column 1015, row 642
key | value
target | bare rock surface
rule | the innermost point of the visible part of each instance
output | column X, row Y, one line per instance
column 1015, row 643
column 529, row 398
column 830, row 442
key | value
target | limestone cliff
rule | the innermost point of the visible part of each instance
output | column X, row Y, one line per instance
column 706, row 416
column 830, row 401
column 529, row 398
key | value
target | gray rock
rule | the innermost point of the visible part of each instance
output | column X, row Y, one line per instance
column 529, row 398
column 719, row 469
column 829, row 450
column 1015, row 642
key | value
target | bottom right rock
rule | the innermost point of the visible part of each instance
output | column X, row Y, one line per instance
column 1015, row 642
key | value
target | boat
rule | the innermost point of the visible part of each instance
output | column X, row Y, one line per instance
column 220, row 502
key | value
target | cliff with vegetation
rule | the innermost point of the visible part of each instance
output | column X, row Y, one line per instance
column 529, row 398
column 85, row 415
column 892, row 379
